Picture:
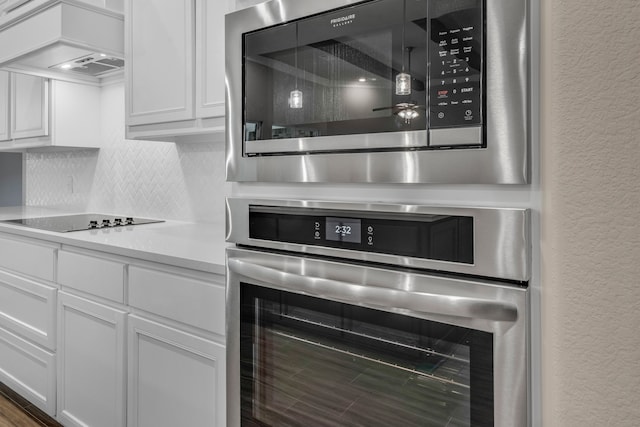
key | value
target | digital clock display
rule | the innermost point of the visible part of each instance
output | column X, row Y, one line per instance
column 343, row 230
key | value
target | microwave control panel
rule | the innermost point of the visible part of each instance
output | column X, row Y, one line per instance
column 456, row 70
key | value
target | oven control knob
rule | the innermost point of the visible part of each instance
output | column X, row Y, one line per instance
column 93, row 224
column 129, row 220
column 106, row 223
column 117, row 221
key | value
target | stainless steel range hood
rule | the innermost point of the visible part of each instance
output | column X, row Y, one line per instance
column 62, row 37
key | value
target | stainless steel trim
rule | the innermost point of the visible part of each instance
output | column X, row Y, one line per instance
column 353, row 293
column 501, row 237
column 370, row 141
column 477, row 304
column 457, row 136
column 503, row 161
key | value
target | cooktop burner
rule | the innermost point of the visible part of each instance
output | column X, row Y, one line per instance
column 67, row 223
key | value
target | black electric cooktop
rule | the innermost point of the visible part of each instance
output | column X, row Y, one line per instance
column 67, row 223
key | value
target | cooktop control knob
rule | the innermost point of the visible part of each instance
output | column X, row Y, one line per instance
column 93, row 224
column 129, row 220
column 117, row 221
column 106, row 223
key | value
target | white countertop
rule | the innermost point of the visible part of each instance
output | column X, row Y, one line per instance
column 198, row 246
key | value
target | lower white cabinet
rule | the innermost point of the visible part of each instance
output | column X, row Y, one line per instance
column 28, row 320
column 29, row 370
column 91, row 363
column 101, row 340
column 175, row 378
column 28, row 308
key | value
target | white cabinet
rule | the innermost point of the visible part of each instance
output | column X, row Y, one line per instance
column 193, row 301
column 29, row 370
column 28, row 256
column 28, row 319
column 77, row 270
column 23, row 106
column 176, row 367
column 210, row 58
column 176, row 355
column 4, row 105
column 97, row 339
column 91, row 363
column 28, row 308
column 174, row 69
column 175, row 378
column 29, row 106
column 48, row 113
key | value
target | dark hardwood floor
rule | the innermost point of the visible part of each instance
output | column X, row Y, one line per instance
column 15, row 411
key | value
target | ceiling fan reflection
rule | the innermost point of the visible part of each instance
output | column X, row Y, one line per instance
column 405, row 110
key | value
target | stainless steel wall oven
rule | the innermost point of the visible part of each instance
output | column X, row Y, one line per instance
column 395, row 91
column 352, row 314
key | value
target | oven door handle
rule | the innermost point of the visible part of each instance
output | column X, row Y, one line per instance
column 376, row 296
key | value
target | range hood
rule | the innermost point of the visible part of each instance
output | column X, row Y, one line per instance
column 64, row 37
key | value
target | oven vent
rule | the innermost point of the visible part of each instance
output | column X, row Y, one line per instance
column 95, row 64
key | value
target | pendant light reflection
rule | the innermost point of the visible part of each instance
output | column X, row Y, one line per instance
column 295, row 96
column 403, row 84
column 295, row 99
column 403, row 79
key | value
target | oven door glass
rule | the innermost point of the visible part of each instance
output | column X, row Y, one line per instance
column 307, row 361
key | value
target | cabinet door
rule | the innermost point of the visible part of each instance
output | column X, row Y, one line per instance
column 210, row 58
column 29, row 106
column 159, row 61
column 29, row 370
column 175, row 378
column 91, row 363
column 4, row 105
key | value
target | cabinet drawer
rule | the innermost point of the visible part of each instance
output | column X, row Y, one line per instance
column 97, row 276
column 28, row 308
column 28, row 370
column 26, row 257
column 192, row 301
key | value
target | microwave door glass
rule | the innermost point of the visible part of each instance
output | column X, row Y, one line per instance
column 359, row 70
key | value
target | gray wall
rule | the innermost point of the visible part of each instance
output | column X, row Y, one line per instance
column 10, row 179
column 590, row 213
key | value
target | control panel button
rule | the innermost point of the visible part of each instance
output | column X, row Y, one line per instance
column 455, row 94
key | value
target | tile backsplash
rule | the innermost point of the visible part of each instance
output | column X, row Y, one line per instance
column 143, row 178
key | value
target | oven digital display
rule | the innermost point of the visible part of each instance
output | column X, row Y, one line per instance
column 428, row 236
column 343, row 230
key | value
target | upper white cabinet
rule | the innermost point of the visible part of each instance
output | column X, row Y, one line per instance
column 23, row 106
column 38, row 112
column 174, row 68
column 4, row 105
column 29, row 105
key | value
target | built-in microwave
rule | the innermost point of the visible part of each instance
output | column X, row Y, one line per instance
column 386, row 91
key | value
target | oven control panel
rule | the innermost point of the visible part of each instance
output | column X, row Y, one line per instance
column 455, row 97
column 436, row 237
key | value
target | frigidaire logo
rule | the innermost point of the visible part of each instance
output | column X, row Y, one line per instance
column 343, row 20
